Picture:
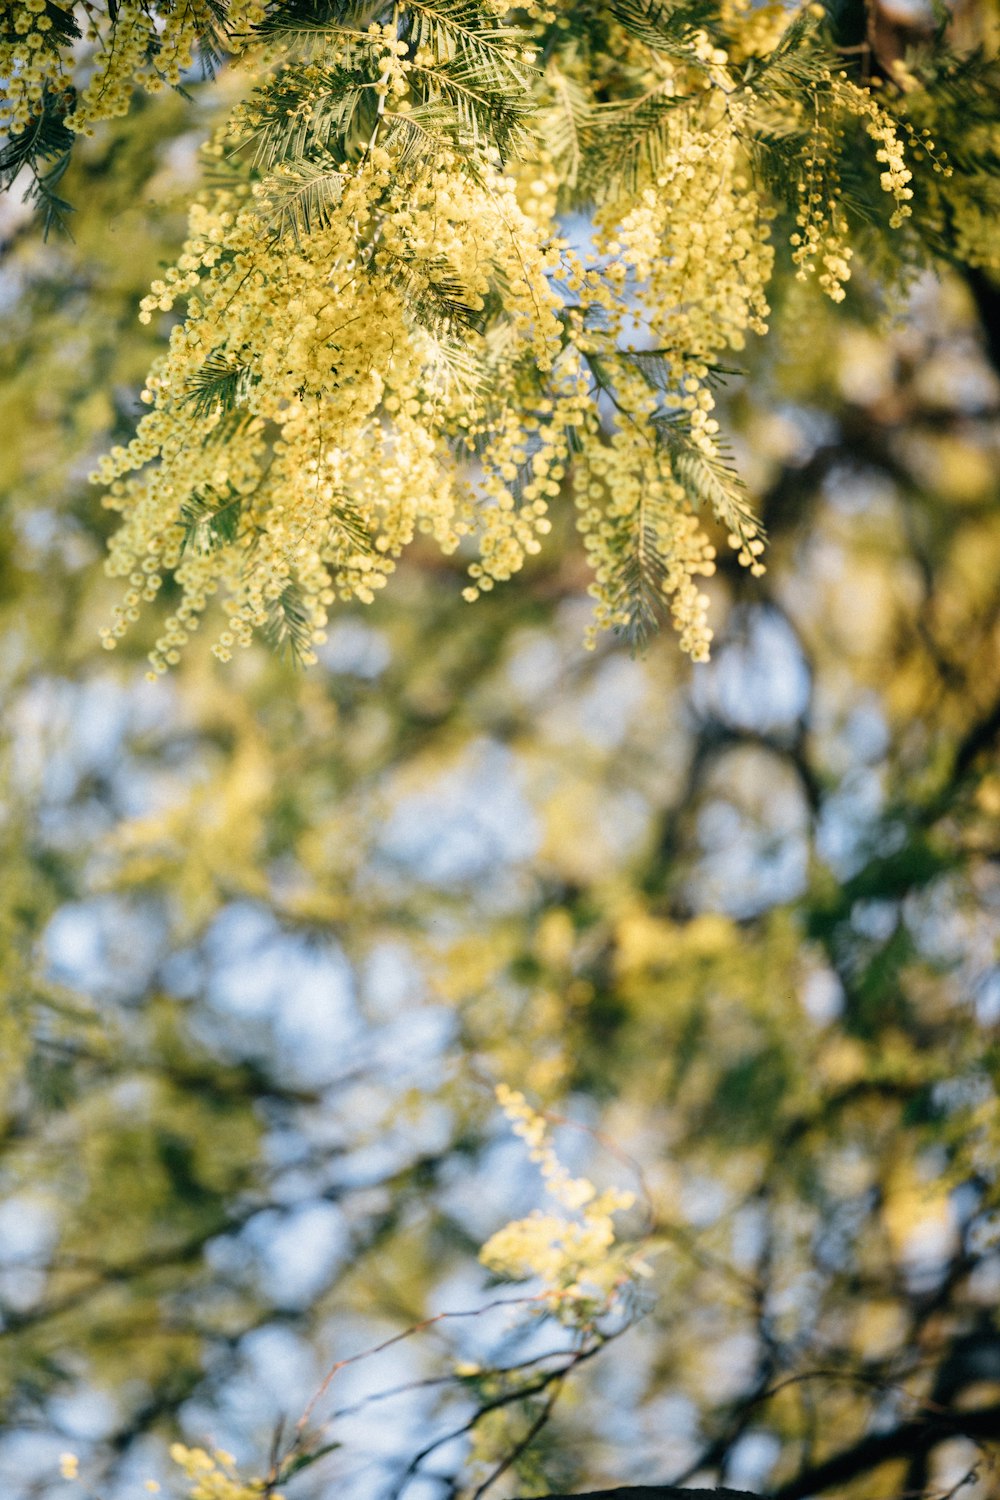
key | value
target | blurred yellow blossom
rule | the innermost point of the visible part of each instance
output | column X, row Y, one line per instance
column 576, row 1257
column 213, row 1476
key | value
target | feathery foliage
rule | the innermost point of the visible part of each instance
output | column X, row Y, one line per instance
column 220, row 385
column 210, row 520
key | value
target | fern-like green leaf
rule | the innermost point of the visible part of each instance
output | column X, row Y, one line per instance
column 210, row 520
column 418, row 139
column 434, row 297
column 483, row 114
column 301, row 196
column 465, row 31
column 45, row 139
column 307, row 108
column 638, row 590
column 565, row 123
column 658, row 367
column 303, row 22
column 629, row 142
column 288, row 627
column 451, row 367
column 213, row 36
column 797, row 63
column 665, row 28
column 708, row 479
column 221, row 385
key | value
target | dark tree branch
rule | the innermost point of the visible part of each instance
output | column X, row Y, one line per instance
column 922, row 1433
column 986, row 295
column 979, row 738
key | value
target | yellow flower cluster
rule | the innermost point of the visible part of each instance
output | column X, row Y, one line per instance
column 30, row 61
column 213, row 1476
column 576, row 1258
column 883, row 130
column 628, row 480
column 401, row 338
column 690, row 304
column 139, row 45
column 820, row 243
column 369, row 404
column 820, row 239
column 389, row 422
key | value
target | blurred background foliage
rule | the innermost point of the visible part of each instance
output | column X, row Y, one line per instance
column 268, row 937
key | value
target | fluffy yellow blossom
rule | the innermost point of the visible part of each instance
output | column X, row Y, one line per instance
column 382, row 327
column 213, row 1476
column 133, row 45
column 388, row 422
column 69, row 1466
column 366, row 401
column 573, row 1253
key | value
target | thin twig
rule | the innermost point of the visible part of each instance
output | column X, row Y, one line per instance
column 525, row 1443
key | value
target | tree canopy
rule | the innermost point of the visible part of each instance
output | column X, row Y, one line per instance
column 449, row 1049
